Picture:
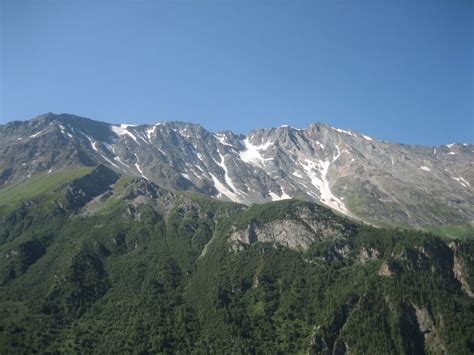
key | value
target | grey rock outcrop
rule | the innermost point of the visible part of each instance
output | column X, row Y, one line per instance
column 460, row 269
column 368, row 254
column 298, row 232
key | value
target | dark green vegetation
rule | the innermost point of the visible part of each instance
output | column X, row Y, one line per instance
column 89, row 268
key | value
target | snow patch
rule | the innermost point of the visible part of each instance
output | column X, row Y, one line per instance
column 317, row 172
column 275, row 197
column 36, row 134
column 367, row 138
column 252, row 153
column 222, row 139
column 196, row 174
column 200, row 157
column 63, row 131
column 109, row 161
column 93, row 143
column 183, row 132
column 425, row 168
column 117, row 159
column 234, row 194
column 223, row 190
column 462, row 181
column 137, row 166
column 149, row 133
column 139, row 170
column 121, row 130
column 344, row 131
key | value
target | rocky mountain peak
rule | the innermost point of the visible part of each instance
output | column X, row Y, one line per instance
column 354, row 174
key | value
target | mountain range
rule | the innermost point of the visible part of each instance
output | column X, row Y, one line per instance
column 363, row 178
column 167, row 238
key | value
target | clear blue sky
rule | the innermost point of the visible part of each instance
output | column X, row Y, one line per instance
column 399, row 70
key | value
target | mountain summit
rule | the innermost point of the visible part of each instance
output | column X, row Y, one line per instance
column 364, row 178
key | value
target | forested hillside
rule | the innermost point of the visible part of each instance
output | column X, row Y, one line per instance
column 101, row 263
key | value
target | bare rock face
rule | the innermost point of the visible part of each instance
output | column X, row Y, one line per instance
column 386, row 270
column 367, row 255
column 425, row 321
column 428, row 329
column 359, row 176
column 299, row 232
column 459, row 273
column 288, row 233
column 459, row 270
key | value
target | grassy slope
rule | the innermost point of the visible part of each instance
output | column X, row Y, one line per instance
column 362, row 205
column 455, row 231
column 39, row 184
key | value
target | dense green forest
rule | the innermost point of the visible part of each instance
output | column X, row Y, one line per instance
column 85, row 268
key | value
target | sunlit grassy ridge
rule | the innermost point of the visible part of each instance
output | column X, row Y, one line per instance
column 460, row 230
column 39, row 184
